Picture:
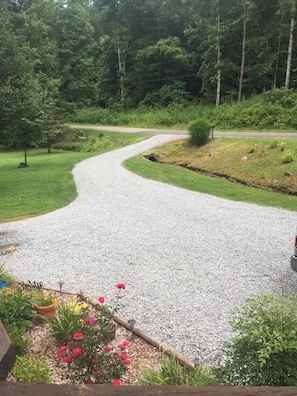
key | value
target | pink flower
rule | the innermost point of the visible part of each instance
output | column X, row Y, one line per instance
column 67, row 359
column 121, row 286
column 76, row 351
column 101, row 299
column 127, row 362
column 122, row 346
column 116, row 382
column 59, row 355
column 63, row 348
column 89, row 381
column 92, row 321
column 108, row 348
column 125, row 343
column 123, row 356
column 76, row 335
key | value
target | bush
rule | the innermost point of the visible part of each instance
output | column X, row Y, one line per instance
column 199, row 132
column 172, row 373
column 264, row 350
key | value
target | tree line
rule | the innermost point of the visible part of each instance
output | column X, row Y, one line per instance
column 63, row 54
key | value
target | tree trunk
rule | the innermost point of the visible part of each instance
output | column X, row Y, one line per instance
column 218, row 97
column 290, row 47
column 120, row 63
column 245, row 18
column 25, row 155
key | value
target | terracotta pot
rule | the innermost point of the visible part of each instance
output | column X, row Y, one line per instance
column 80, row 338
column 48, row 311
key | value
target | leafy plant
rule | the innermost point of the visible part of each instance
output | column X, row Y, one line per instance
column 66, row 323
column 31, row 369
column 172, row 373
column 40, row 298
column 92, row 360
column 15, row 307
column 199, row 132
column 288, row 158
column 19, row 341
column 5, row 273
column 264, row 349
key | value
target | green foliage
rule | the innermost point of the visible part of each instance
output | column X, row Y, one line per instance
column 31, row 369
column 66, row 323
column 5, row 274
column 172, row 373
column 288, row 158
column 19, row 341
column 199, row 132
column 15, row 307
column 264, row 349
column 92, row 360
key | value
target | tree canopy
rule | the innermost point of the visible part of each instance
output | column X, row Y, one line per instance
column 123, row 53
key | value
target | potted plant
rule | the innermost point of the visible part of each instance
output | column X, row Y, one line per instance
column 44, row 303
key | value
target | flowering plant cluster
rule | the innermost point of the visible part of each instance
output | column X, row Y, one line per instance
column 5, row 274
column 41, row 298
column 89, row 356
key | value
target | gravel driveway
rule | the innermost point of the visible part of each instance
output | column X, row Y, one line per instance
column 187, row 259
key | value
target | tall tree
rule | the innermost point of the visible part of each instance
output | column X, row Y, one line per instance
column 290, row 45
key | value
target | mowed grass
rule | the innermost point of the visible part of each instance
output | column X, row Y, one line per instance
column 259, row 162
column 47, row 183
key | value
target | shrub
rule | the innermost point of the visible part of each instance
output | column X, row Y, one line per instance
column 89, row 358
column 66, row 323
column 15, row 307
column 172, row 373
column 199, row 132
column 5, row 274
column 31, row 369
column 19, row 341
column 264, row 349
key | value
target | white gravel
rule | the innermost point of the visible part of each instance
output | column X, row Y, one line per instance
column 187, row 259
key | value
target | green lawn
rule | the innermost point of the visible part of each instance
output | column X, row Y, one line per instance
column 47, row 183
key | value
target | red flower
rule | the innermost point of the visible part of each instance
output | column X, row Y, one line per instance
column 76, row 351
column 92, row 321
column 121, row 286
column 76, row 335
column 125, row 343
column 67, row 359
column 89, row 381
column 123, row 356
column 63, row 348
column 127, row 362
column 94, row 363
column 101, row 299
column 108, row 348
column 71, row 342
column 122, row 346
column 59, row 355
column 116, row 382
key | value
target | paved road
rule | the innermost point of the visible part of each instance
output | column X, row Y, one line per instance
column 283, row 135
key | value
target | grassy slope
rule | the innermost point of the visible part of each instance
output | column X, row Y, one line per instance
column 255, row 161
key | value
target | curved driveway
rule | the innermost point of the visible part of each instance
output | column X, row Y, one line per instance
column 186, row 258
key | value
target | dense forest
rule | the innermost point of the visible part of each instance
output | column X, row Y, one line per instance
column 119, row 54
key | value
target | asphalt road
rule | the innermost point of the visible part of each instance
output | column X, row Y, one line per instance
column 283, row 135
